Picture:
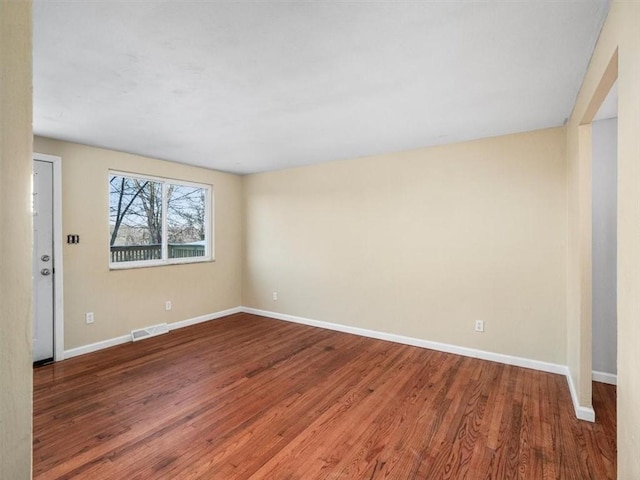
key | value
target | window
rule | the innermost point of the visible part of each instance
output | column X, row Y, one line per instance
column 155, row 221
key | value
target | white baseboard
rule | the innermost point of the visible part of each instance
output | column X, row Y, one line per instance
column 94, row 347
column 204, row 318
column 582, row 412
column 112, row 342
column 610, row 378
column 418, row 342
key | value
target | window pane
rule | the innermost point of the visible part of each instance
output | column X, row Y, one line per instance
column 186, row 221
column 135, row 219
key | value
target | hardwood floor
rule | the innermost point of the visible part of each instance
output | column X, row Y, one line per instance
column 247, row 397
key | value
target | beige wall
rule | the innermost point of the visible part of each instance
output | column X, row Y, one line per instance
column 15, row 240
column 420, row 243
column 126, row 299
column 622, row 32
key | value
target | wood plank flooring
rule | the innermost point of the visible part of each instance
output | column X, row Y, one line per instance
column 246, row 397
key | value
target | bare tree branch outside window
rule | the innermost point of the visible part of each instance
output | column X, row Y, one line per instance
column 136, row 219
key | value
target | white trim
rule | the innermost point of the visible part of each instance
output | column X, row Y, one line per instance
column 582, row 412
column 204, row 318
column 58, row 277
column 165, row 260
column 610, row 378
column 210, row 220
column 158, row 179
column 94, row 347
column 418, row 342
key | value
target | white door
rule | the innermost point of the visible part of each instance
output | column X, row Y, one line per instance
column 43, row 265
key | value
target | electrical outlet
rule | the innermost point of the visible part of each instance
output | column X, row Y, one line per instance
column 479, row 325
column 275, row 295
column 88, row 317
column 167, row 305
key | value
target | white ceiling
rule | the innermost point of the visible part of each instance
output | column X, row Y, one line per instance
column 255, row 86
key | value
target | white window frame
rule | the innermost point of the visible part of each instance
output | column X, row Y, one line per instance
column 208, row 223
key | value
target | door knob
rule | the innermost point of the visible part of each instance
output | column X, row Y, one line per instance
column 45, row 271
column 45, row 258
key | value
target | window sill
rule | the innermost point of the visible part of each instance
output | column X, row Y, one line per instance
column 157, row 263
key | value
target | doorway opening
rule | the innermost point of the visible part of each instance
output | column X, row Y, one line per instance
column 604, row 204
column 597, row 158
